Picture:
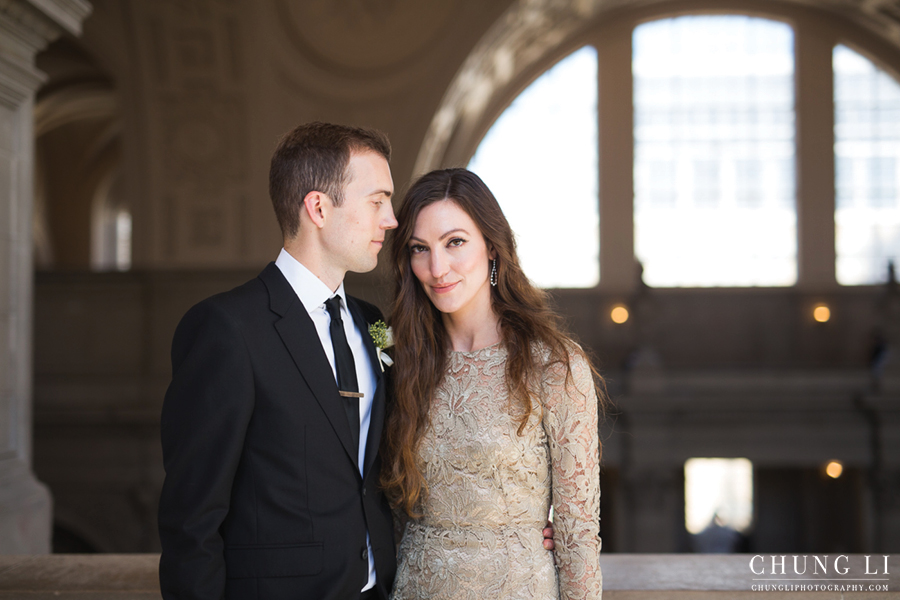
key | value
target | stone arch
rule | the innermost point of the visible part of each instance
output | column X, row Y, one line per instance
column 77, row 128
column 534, row 34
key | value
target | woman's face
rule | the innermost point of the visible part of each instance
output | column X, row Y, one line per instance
column 451, row 260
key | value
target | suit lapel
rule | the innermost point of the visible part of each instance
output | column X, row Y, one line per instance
column 299, row 335
column 376, row 421
column 360, row 321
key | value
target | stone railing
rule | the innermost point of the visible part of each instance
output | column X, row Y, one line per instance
column 626, row 577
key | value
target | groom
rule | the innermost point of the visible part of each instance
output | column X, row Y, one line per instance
column 272, row 421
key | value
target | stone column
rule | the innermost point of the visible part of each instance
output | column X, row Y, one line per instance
column 26, row 27
column 618, row 273
column 815, row 160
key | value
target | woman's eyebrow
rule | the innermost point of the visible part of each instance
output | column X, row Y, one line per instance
column 449, row 233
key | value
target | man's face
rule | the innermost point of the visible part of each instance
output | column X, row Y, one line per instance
column 354, row 232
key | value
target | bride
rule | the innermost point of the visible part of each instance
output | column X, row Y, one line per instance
column 495, row 412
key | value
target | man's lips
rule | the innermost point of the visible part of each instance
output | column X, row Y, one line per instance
column 443, row 289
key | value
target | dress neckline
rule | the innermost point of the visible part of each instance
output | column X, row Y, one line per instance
column 495, row 345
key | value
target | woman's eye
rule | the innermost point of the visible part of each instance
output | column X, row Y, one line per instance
column 456, row 242
column 417, row 248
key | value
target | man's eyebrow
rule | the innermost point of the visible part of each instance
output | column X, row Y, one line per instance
column 387, row 193
column 449, row 233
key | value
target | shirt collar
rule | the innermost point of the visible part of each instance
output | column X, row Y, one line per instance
column 311, row 290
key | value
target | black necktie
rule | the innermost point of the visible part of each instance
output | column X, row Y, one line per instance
column 345, row 367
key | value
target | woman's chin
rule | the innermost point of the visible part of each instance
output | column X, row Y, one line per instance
column 444, row 307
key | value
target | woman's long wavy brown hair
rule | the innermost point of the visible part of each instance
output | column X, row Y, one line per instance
column 421, row 343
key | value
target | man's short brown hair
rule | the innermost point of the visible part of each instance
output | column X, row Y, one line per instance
column 314, row 158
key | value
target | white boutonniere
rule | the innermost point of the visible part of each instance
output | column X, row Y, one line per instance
column 383, row 336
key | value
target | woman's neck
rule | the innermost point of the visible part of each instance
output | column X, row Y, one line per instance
column 470, row 332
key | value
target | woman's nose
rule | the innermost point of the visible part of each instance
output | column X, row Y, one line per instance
column 439, row 264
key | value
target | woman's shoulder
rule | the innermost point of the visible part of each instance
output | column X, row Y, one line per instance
column 570, row 352
column 567, row 365
column 570, row 391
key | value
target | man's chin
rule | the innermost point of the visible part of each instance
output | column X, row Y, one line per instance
column 364, row 268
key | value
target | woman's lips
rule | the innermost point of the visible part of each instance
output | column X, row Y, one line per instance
column 443, row 289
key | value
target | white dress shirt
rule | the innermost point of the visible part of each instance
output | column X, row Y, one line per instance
column 313, row 293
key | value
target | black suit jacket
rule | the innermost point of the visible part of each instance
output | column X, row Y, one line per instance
column 263, row 498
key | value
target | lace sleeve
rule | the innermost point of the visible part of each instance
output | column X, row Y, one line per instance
column 570, row 419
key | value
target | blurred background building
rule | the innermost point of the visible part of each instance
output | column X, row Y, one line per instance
column 710, row 190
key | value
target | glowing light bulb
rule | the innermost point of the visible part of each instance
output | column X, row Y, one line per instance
column 834, row 469
column 821, row 313
column 619, row 314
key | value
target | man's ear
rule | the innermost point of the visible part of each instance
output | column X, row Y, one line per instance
column 315, row 204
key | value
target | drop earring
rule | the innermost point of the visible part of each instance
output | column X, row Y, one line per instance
column 494, row 273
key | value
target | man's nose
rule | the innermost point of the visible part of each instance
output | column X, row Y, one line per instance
column 391, row 221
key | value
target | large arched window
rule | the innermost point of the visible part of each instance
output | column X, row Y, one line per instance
column 712, row 108
column 540, row 161
column 714, row 152
column 867, row 151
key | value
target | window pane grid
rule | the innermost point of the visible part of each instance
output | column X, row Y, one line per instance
column 867, row 150
column 714, row 122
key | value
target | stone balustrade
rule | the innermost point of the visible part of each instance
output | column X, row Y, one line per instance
column 626, row 577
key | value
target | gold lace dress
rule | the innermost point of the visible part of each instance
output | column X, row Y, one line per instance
column 489, row 490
